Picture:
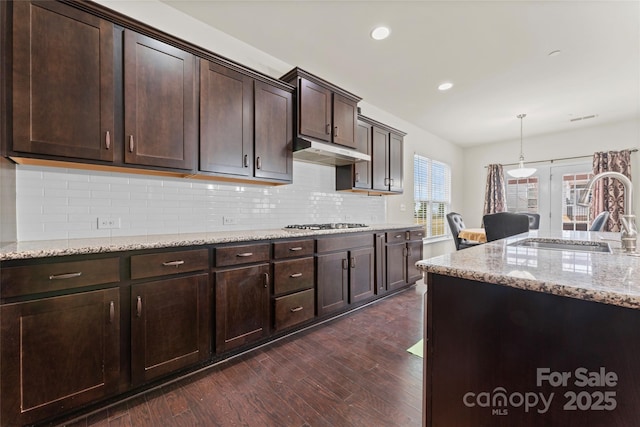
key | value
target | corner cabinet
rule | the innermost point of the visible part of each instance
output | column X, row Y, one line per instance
column 325, row 111
column 63, row 82
column 384, row 174
column 60, row 352
column 246, row 126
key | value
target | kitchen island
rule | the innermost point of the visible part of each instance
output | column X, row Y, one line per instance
column 521, row 335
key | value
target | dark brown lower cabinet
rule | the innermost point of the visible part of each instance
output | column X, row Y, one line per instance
column 403, row 250
column 58, row 353
column 333, row 282
column 241, row 306
column 170, row 325
column 347, row 276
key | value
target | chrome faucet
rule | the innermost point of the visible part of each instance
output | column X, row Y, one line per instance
column 628, row 220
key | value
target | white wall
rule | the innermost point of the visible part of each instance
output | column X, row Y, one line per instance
column 583, row 141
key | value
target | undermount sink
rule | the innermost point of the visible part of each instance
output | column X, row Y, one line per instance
column 564, row 245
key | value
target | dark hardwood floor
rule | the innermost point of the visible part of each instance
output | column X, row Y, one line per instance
column 351, row 371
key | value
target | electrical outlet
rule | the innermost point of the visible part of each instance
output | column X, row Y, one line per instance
column 108, row 223
column 229, row 220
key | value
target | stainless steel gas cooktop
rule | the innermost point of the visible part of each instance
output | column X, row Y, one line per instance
column 329, row 226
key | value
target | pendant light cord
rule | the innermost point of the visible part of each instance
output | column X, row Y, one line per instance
column 521, row 116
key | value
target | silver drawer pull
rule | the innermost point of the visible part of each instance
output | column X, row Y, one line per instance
column 245, row 254
column 297, row 248
column 294, row 309
column 398, row 236
column 112, row 312
column 139, row 306
column 173, row 263
column 131, row 143
column 65, row 276
column 294, row 275
column 107, row 140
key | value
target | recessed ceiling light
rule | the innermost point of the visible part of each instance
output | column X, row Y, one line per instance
column 445, row 86
column 380, row 33
column 554, row 53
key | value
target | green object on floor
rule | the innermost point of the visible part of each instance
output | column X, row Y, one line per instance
column 416, row 349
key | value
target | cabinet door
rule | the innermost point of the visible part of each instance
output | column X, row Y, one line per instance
column 273, row 133
column 396, row 266
column 241, row 301
column 314, row 110
column 170, row 325
column 362, row 170
column 414, row 255
column 380, row 159
column 226, row 120
column 160, row 120
column 333, row 282
column 58, row 353
column 362, row 279
column 395, row 163
column 345, row 119
column 63, row 89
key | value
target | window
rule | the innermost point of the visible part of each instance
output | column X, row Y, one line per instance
column 574, row 216
column 432, row 195
column 522, row 195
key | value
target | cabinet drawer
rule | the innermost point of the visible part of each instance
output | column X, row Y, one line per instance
column 345, row 242
column 165, row 263
column 291, row 249
column 396, row 236
column 241, row 254
column 416, row 234
column 33, row 279
column 294, row 309
column 293, row 275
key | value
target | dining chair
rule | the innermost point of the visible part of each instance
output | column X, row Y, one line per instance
column 456, row 225
column 599, row 221
column 504, row 224
column 534, row 220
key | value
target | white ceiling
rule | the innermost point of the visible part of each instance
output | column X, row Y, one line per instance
column 495, row 52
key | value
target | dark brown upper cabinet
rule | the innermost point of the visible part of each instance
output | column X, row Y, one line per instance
column 384, row 174
column 357, row 177
column 246, row 126
column 325, row 111
column 226, row 120
column 63, row 82
column 273, row 132
column 160, row 124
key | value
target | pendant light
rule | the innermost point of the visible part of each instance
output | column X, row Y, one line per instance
column 521, row 171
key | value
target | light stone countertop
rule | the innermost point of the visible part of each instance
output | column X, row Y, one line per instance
column 610, row 278
column 52, row 248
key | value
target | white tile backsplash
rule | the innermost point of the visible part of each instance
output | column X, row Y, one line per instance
column 58, row 203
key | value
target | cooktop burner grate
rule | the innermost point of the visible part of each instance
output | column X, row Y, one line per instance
column 329, row 226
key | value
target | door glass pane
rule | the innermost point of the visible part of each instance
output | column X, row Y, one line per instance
column 522, row 195
column 574, row 217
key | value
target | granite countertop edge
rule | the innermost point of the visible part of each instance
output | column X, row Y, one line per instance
column 52, row 248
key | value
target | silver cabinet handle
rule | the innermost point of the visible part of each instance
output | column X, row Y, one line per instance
column 294, row 309
column 245, row 254
column 353, row 262
column 296, row 248
column 112, row 311
column 246, row 161
column 139, row 307
column 398, row 236
column 386, row 181
column 258, row 163
column 107, row 140
column 295, row 275
column 357, row 176
column 335, row 131
column 391, row 182
column 65, row 276
column 328, row 129
column 173, row 263
column 131, row 143
column 345, row 264
column 266, row 279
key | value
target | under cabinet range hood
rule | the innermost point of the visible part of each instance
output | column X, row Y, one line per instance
column 311, row 150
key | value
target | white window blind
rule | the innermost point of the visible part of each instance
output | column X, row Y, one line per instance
column 432, row 194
